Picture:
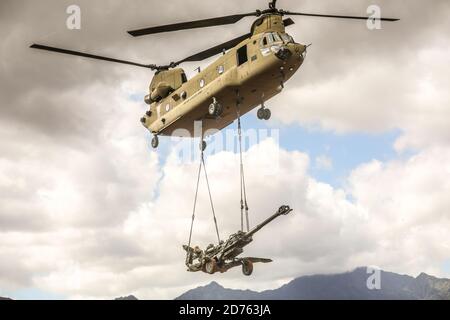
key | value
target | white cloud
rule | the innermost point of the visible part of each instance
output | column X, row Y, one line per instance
column 397, row 220
column 87, row 210
column 394, row 78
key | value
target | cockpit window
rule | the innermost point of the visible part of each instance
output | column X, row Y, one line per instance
column 270, row 38
column 272, row 42
column 286, row 38
column 276, row 37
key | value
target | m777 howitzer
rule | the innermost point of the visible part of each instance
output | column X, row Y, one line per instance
column 222, row 257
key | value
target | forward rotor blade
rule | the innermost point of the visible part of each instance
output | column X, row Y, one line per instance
column 91, row 56
column 215, row 50
column 288, row 22
column 338, row 16
column 219, row 21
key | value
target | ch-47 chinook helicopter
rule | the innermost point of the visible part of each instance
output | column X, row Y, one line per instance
column 253, row 70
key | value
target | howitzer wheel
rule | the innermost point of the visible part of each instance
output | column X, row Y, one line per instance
column 247, row 267
column 211, row 266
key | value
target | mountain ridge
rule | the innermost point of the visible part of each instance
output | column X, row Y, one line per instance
column 350, row 285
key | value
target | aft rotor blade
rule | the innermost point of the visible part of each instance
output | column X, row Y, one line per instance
column 91, row 56
column 219, row 21
column 338, row 16
column 215, row 50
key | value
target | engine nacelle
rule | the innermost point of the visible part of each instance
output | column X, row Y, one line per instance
column 164, row 83
column 162, row 90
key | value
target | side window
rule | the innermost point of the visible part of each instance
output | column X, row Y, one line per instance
column 264, row 42
column 268, row 39
column 242, row 55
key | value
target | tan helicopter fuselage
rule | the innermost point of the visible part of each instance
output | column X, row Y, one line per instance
column 251, row 73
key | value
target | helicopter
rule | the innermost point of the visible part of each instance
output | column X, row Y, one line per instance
column 252, row 69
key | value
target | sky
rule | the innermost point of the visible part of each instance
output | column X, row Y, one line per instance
column 358, row 145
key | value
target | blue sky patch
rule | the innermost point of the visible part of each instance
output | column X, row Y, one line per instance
column 34, row 294
column 446, row 268
column 333, row 156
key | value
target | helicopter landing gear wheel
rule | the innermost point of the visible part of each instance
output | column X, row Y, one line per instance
column 267, row 114
column 247, row 267
column 260, row 113
column 215, row 109
column 155, row 142
column 263, row 114
column 211, row 266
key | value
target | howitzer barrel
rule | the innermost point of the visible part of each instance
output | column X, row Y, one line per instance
column 283, row 210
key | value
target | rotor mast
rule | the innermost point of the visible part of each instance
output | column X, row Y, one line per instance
column 273, row 4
